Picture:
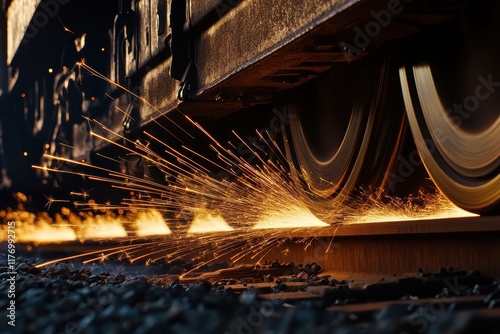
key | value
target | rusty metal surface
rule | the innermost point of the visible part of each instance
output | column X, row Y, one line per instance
column 261, row 29
column 217, row 59
column 287, row 47
column 3, row 49
column 155, row 82
column 293, row 42
column 149, row 34
column 199, row 9
column 149, row 41
column 19, row 16
column 159, row 27
column 144, row 33
column 203, row 14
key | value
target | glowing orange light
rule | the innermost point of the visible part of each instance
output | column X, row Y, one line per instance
column 23, row 95
column 51, row 70
column 25, row 154
column 261, row 199
column 288, row 217
column 65, row 211
column 204, row 222
column 103, row 49
column 437, row 206
column 151, row 223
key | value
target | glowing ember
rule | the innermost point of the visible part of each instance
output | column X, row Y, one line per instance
column 289, row 217
column 67, row 226
column 205, row 222
column 44, row 233
column 39, row 229
column 430, row 206
column 101, row 227
column 150, row 223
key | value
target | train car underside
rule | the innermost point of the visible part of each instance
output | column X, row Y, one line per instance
column 362, row 94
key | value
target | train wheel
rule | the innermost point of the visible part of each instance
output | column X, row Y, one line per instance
column 342, row 133
column 452, row 99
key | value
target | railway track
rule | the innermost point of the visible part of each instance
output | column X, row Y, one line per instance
column 393, row 277
column 381, row 248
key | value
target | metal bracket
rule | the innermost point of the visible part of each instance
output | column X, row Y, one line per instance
column 130, row 122
column 187, row 89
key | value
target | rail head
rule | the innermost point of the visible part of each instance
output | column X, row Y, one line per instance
column 478, row 224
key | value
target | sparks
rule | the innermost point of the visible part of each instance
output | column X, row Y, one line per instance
column 194, row 215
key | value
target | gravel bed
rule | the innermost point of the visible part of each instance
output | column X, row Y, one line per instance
column 62, row 299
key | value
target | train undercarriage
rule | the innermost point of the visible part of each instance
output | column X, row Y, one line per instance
column 374, row 95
